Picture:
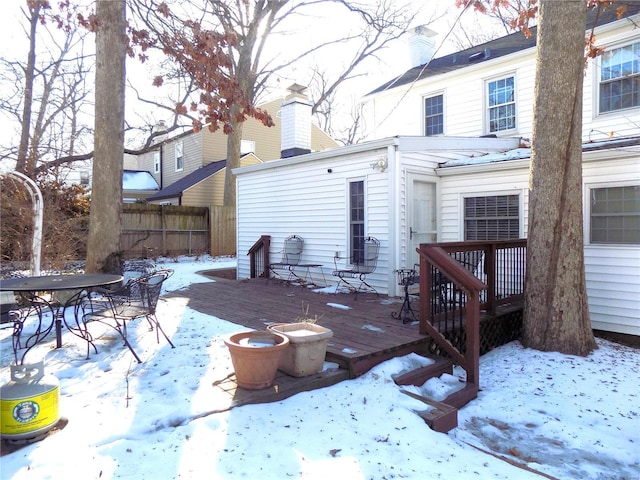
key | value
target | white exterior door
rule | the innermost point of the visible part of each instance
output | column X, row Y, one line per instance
column 422, row 216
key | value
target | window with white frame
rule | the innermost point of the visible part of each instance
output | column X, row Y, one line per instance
column 247, row 146
column 620, row 78
column 356, row 221
column 179, row 157
column 501, row 104
column 156, row 162
column 494, row 217
column 615, row 215
column 434, row 115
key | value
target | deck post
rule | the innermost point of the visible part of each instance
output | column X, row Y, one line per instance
column 472, row 354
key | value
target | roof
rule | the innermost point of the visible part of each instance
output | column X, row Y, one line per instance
column 493, row 49
column 177, row 188
column 525, row 153
column 138, row 180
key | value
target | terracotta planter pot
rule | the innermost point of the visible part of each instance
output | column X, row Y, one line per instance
column 255, row 357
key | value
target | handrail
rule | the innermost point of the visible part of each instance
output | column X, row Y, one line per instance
column 472, row 287
column 259, row 257
column 452, row 294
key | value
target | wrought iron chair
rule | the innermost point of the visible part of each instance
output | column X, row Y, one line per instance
column 362, row 263
column 291, row 255
column 115, row 310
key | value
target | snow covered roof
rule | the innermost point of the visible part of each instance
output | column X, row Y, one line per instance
column 525, row 153
column 138, row 180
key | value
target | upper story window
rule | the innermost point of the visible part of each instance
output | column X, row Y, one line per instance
column 615, row 215
column 179, row 157
column 620, row 78
column 495, row 217
column 501, row 104
column 434, row 115
column 247, row 146
column 156, row 162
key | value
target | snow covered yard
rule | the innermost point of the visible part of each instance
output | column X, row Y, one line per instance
column 561, row 416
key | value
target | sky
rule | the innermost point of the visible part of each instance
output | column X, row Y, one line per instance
column 538, row 414
column 391, row 62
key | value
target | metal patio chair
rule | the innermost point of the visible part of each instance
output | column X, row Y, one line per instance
column 291, row 255
column 115, row 310
column 363, row 263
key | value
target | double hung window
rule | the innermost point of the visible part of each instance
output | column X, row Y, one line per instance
column 179, row 157
column 620, row 78
column 501, row 104
column 434, row 115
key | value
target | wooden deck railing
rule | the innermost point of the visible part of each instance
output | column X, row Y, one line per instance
column 458, row 280
column 259, row 257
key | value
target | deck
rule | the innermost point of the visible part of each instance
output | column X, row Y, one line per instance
column 364, row 332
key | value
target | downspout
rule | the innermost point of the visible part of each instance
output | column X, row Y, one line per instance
column 38, row 209
column 393, row 161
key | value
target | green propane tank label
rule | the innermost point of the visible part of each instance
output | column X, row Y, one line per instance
column 25, row 415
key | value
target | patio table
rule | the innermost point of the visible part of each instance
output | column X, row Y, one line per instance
column 33, row 291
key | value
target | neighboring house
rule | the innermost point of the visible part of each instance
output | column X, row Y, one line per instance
column 200, row 188
column 453, row 185
column 178, row 157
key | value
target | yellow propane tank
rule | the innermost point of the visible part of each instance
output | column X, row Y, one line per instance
column 29, row 402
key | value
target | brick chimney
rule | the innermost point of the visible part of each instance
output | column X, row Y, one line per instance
column 422, row 45
column 295, row 117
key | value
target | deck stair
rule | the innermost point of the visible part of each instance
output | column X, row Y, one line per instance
column 441, row 416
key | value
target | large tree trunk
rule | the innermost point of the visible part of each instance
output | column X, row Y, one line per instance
column 105, row 225
column 26, row 163
column 556, row 308
column 233, row 161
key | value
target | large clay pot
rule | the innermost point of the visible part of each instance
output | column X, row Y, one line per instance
column 255, row 357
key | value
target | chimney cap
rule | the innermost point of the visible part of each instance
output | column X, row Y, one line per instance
column 297, row 88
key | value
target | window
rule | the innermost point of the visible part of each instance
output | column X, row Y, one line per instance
column 501, row 102
column 615, row 215
column 356, row 221
column 492, row 218
column 434, row 115
column 620, row 78
column 247, row 146
column 179, row 157
column 156, row 162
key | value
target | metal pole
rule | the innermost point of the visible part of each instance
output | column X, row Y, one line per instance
column 38, row 209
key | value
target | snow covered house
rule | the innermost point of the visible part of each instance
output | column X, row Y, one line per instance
column 449, row 162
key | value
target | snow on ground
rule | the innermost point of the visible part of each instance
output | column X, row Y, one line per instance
column 557, row 415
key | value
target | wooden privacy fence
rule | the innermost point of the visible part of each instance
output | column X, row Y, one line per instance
column 169, row 230
column 223, row 230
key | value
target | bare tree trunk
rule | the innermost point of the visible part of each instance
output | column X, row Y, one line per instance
column 25, row 164
column 556, row 308
column 233, row 161
column 105, row 225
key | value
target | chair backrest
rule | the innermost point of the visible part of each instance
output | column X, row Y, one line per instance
column 137, row 268
column 292, row 251
column 150, row 288
column 371, row 249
